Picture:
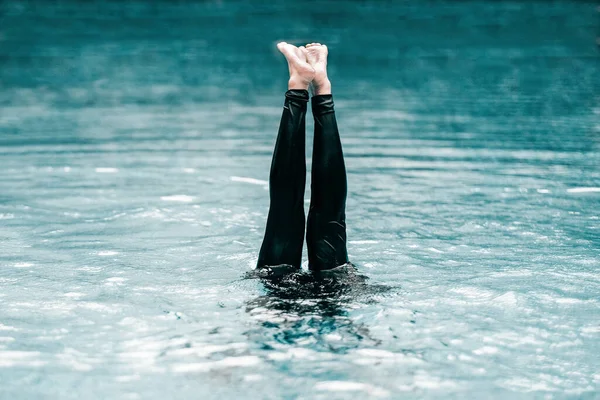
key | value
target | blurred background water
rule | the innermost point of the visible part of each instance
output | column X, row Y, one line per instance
column 135, row 144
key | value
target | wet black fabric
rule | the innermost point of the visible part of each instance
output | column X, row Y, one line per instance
column 326, row 225
column 284, row 234
column 326, row 228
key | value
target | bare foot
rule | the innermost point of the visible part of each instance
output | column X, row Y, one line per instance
column 316, row 55
column 301, row 72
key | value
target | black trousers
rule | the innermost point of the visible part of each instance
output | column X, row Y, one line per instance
column 326, row 226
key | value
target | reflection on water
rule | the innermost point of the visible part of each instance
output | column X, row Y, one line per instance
column 309, row 309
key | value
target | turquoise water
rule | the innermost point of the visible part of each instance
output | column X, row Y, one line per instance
column 135, row 144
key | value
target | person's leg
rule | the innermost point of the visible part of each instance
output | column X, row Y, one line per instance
column 284, row 236
column 326, row 227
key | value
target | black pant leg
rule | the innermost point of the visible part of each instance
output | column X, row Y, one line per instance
column 284, row 236
column 326, row 228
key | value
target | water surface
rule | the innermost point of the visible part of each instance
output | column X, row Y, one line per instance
column 135, row 144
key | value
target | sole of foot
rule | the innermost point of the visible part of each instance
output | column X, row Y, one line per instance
column 316, row 55
column 301, row 72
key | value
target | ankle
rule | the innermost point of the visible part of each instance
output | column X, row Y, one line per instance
column 296, row 83
column 322, row 87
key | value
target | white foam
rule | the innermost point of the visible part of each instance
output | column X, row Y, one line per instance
column 524, row 384
column 568, row 300
column 7, row 328
column 76, row 360
column 424, row 381
column 344, row 386
column 375, row 353
column 23, row 265
column 74, row 295
column 182, row 198
column 89, row 305
column 590, row 329
column 206, row 350
column 244, row 361
column 105, row 170
column 485, row 350
column 108, row 253
column 584, row 190
column 116, row 279
column 279, row 356
column 12, row 358
column 333, row 336
column 229, row 362
column 507, row 299
column 248, row 180
column 192, row 367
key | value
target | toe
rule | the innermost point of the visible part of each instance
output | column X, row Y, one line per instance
column 300, row 53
